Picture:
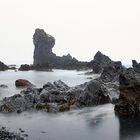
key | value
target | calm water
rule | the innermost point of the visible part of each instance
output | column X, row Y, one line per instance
column 70, row 77
column 93, row 123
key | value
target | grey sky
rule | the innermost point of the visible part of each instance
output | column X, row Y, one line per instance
column 80, row 27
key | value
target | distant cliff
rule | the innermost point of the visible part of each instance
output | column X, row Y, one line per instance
column 45, row 58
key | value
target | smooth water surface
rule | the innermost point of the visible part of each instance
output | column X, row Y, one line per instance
column 90, row 123
column 70, row 77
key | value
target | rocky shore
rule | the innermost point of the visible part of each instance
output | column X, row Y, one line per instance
column 116, row 84
column 59, row 97
column 6, row 135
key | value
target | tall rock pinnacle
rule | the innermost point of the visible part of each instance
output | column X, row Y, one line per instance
column 43, row 47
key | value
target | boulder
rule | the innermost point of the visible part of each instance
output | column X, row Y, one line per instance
column 23, row 83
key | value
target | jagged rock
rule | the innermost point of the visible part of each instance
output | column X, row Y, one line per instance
column 136, row 66
column 23, row 83
column 3, row 67
column 93, row 93
column 129, row 99
column 102, row 62
column 6, row 135
column 99, row 62
column 45, row 59
column 25, row 67
column 112, row 72
column 134, row 63
column 56, row 97
column 43, row 47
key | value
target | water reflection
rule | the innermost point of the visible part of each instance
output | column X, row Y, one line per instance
column 129, row 128
column 94, row 122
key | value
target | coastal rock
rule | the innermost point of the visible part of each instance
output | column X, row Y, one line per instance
column 112, row 72
column 6, row 135
column 45, row 59
column 43, row 47
column 102, row 62
column 3, row 86
column 56, row 97
column 129, row 99
column 99, row 62
column 23, row 83
column 3, row 67
column 93, row 93
column 136, row 66
column 25, row 67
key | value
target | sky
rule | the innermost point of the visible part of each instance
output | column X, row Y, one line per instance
column 80, row 27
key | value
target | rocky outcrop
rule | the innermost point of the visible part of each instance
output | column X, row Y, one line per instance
column 56, row 97
column 25, row 67
column 103, row 63
column 6, row 135
column 3, row 86
column 23, row 83
column 112, row 71
column 3, row 67
column 99, row 62
column 136, row 66
column 43, row 47
column 129, row 99
column 44, row 58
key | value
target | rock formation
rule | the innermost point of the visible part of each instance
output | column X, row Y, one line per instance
column 56, row 97
column 136, row 66
column 101, row 61
column 23, row 83
column 3, row 67
column 129, row 99
column 6, row 135
column 112, row 71
column 25, row 67
column 45, row 58
column 43, row 47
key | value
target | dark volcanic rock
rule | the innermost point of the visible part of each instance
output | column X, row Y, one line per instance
column 45, row 59
column 99, row 62
column 43, row 47
column 6, row 135
column 112, row 72
column 129, row 100
column 56, row 97
column 23, row 83
column 25, row 67
column 94, row 93
column 136, row 66
column 3, row 67
column 102, row 62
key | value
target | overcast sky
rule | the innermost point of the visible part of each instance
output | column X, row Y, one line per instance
column 80, row 27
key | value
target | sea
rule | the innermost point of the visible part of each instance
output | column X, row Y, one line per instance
column 89, row 123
